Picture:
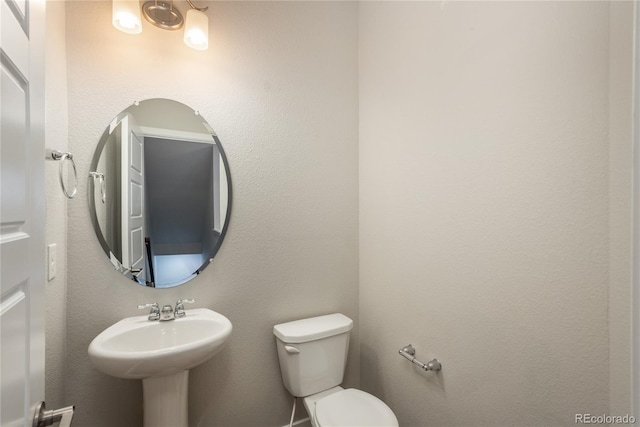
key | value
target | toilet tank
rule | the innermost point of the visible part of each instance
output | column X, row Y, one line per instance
column 313, row 352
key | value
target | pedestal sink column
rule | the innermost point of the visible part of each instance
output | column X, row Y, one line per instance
column 165, row 400
column 136, row 348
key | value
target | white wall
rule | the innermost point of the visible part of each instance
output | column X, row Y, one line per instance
column 485, row 196
column 279, row 86
column 56, row 204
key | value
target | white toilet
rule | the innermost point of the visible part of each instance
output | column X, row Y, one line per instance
column 313, row 354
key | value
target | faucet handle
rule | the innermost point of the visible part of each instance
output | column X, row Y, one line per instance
column 154, row 313
column 179, row 311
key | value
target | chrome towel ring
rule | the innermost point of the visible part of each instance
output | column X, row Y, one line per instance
column 61, row 157
column 100, row 177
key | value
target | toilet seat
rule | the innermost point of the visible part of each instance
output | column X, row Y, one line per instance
column 352, row 407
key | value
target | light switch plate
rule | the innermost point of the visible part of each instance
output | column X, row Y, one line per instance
column 52, row 261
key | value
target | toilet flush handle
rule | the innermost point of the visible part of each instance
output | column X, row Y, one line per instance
column 291, row 349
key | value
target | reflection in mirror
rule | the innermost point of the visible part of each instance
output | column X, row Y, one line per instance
column 160, row 193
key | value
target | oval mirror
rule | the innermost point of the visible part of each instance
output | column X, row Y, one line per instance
column 160, row 193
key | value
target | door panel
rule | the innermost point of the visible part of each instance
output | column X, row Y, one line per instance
column 15, row 315
column 14, row 101
column 133, row 232
column 22, row 261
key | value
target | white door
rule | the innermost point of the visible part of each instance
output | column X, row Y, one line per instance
column 22, row 260
column 133, row 230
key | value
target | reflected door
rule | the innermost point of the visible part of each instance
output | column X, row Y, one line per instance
column 133, row 223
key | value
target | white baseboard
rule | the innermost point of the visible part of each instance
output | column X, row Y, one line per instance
column 300, row 422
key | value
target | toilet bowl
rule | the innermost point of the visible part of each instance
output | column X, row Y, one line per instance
column 312, row 354
column 350, row 407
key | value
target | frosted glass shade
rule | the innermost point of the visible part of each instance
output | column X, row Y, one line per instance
column 196, row 30
column 126, row 16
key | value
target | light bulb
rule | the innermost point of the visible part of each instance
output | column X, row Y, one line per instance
column 126, row 16
column 196, row 30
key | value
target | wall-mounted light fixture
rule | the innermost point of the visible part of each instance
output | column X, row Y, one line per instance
column 126, row 18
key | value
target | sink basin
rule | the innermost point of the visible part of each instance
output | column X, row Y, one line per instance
column 161, row 354
column 136, row 348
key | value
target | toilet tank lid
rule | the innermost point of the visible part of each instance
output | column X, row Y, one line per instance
column 314, row 328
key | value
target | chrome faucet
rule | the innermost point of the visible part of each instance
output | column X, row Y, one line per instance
column 154, row 313
column 179, row 312
column 166, row 313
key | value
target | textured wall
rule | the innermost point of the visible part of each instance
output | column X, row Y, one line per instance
column 620, row 173
column 484, row 209
column 279, row 86
column 56, row 207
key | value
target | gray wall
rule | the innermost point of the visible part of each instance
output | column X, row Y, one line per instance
column 494, row 185
column 620, row 172
column 486, row 241
column 178, row 181
column 279, row 86
column 109, row 212
column 56, row 111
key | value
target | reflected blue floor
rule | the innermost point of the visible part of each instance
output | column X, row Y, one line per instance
column 173, row 270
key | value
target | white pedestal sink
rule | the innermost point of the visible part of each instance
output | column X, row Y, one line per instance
column 161, row 354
